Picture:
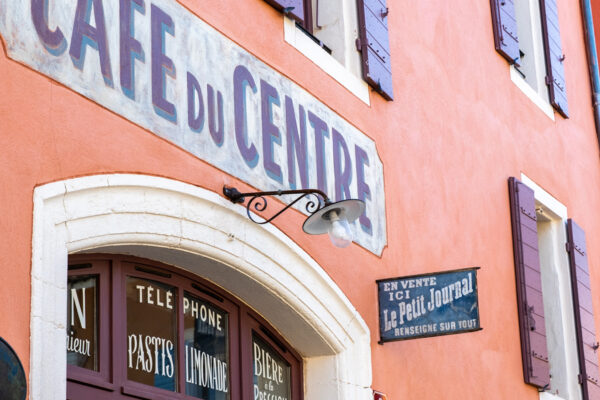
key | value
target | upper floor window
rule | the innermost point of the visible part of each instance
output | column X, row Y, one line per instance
column 138, row 329
column 554, row 296
column 527, row 35
column 352, row 33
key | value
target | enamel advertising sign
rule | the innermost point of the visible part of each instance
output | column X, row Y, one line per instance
column 428, row 305
column 160, row 66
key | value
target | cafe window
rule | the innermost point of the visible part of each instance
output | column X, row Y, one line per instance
column 140, row 329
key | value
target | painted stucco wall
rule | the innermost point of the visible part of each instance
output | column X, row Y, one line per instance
column 457, row 129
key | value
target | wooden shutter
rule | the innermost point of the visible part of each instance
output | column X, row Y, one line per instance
column 534, row 351
column 555, row 72
column 584, row 313
column 293, row 8
column 504, row 22
column 374, row 44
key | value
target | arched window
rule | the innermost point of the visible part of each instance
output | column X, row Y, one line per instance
column 140, row 329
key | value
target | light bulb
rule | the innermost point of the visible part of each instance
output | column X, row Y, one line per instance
column 339, row 231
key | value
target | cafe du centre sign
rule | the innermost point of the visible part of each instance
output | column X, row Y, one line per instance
column 158, row 65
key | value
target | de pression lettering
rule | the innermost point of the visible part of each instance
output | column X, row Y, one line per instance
column 216, row 100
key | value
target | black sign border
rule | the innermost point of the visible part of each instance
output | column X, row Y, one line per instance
column 20, row 365
column 479, row 328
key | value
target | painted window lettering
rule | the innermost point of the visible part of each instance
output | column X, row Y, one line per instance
column 82, row 323
column 271, row 373
column 206, row 349
column 178, row 335
column 151, row 333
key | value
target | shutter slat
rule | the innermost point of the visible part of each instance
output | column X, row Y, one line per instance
column 540, row 330
column 504, row 22
column 591, row 356
column 529, row 236
column 585, row 297
column 537, row 302
column 585, row 326
column 530, row 256
column 554, row 57
column 594, row 392
column 295, row 7
column 375, row 46
column 592, row 376
column 532, row 279
column 534, row 349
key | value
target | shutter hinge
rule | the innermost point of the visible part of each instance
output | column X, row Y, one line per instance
column 358, row 44
column 548, row 80
column 568, row 247
column 580, row 379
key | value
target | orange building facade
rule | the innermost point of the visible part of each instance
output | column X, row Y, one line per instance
column 122, row 122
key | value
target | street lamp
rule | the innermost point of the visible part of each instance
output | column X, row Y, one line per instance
column 326, row 216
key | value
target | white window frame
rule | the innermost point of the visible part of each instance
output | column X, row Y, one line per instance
column 531, row 36
column 558, row 309
column 325, row 61
column 181, row 224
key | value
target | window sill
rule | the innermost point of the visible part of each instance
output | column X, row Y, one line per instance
column 549, row 396
column 301, row 42
column 531, row 93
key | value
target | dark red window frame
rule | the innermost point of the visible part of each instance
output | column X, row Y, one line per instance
column 110, row 381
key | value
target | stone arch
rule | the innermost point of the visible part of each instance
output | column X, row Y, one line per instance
column 194, row 229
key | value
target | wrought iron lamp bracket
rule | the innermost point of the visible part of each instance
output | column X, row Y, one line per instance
column 258, row 201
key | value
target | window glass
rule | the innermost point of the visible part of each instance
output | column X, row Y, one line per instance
column 151, row 333
column 206, row 349
column 271, row 373
column 82, row 322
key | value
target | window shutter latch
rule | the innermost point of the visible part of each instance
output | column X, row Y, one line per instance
column 580, row 378
column 595, row 346
column 358, row 44
column 530, row 318
column 288, row 10
column 568, row 247
column 385, row 12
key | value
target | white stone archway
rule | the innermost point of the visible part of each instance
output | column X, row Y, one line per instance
column 195, row 229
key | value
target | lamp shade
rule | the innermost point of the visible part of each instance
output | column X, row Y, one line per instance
column 346, row 210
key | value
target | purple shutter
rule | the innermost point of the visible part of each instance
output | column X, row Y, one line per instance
column 584, row 313
column 374, row 44
column 293, row 8
column 534, row 351
column 555, row 72
column 504, row 22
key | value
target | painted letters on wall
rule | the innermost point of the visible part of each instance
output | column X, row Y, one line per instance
column 160, row 66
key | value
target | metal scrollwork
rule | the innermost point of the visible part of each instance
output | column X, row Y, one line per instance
column 259, row 203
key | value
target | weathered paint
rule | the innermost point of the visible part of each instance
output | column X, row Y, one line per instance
column 456, row 130
column 169, row 60
column 428, row 305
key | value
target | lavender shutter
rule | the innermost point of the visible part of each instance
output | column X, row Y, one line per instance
column 504, row 22
column 555, row 72
column 293, row 8
column 374, row 45
column 584, row 313
column 534, row 351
